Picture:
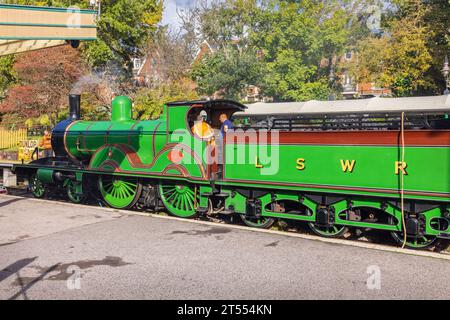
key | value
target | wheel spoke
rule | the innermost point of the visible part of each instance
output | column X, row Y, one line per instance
column 121, row 192
column 181, row 205
column 185, row 203
column 191, row 204
column 177, row 203
column 129, row 184
column 171, row 190
column 114, row 192
column 414, row 243
column 190, row 197
column 128, row 189
column 173, row 199
column 126, row 192
column 72, row 192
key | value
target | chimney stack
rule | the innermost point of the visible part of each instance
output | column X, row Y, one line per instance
column 74, row 107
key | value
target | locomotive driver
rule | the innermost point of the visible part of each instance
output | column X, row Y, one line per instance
column 226, row 124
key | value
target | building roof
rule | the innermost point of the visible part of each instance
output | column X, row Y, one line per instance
column 371, row 105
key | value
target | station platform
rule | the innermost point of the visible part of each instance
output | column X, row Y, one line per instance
column 132, row 255
column 7, row 178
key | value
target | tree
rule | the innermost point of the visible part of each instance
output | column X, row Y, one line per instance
column 123, row 31
column 303, row 41
column 279, row 45
column 229, row 71
column 288, row 78
column 46, row 77
column 235, row 63
column 44, row 87
column 437, row 20
column 172, row 52
column 148, row 102
column 400, row 58
column 7, row 74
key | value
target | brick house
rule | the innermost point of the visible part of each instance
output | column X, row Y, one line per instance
column 351, row 89
column 147, row 69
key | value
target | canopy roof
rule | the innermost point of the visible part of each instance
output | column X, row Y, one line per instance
column 372, row 105
column 215, row 104
column 26, row 28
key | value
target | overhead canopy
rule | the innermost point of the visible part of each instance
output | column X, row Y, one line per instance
column 26, row 28
column 372, row 105
column 17, row 46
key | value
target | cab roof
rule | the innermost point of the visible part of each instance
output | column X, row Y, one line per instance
column 214, row 104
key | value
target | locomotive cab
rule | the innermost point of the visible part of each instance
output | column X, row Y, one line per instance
column 192, row 109
column 181, row 117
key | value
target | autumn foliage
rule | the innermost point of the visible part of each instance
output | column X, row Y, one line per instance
column 46, row 78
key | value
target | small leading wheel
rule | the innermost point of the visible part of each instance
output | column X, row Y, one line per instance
column 119, row 192
column 328, row 232
column 37, row 187
column 72, row 192
column 179, row 199
column 261, row 222
column 421, row 242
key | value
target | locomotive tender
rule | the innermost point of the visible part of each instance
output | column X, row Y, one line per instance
column 334, row 165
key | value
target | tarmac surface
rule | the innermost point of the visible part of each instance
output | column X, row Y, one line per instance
column 53, row 250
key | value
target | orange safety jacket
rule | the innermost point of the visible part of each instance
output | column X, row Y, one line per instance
column 46, row 142
column 203, row 130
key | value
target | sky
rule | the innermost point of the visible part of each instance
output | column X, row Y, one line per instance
column 170, row 16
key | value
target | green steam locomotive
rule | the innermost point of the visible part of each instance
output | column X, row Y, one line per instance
column 366, row 164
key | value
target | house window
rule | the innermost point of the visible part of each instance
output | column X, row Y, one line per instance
column 137, row 63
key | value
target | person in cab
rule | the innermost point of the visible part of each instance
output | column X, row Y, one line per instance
column 202, row 129
column 226, row 124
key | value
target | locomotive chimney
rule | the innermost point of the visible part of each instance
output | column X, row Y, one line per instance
column 74, row 107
